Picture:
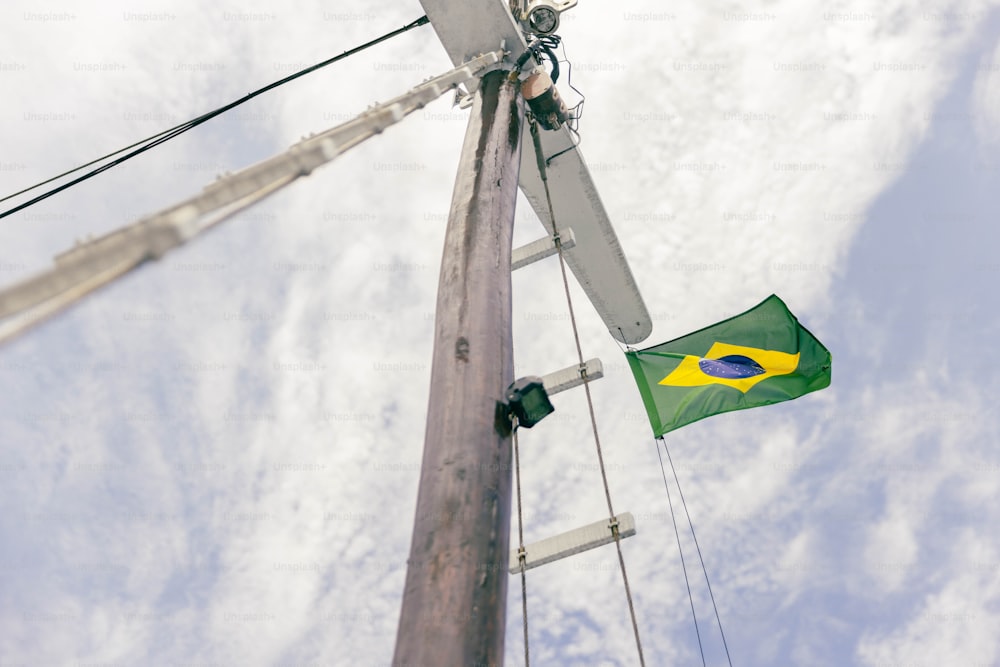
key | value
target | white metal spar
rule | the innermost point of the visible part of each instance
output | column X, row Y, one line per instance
column 91, row 265
column 598, row 262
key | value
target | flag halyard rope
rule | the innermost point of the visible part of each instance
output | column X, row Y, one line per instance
column 704, row 569
column 687, row 582
column 520, row 544
column 540, row 159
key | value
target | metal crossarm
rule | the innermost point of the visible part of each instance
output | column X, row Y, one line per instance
column 90, row 265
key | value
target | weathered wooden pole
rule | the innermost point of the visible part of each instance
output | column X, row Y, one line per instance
column 455, row 598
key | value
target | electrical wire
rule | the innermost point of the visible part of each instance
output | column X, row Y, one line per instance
column 547, row 45
column 576, row 112
column 88, row 266
column 169, row 134
column 539, row 46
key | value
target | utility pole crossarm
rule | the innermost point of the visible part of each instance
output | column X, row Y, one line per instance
column 100, row 261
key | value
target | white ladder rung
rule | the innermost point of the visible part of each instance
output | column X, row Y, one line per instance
column 540, row 249
column 570, row 377
column 573, row 542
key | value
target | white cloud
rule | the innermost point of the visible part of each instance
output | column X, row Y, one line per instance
column 953, row 624
column 986, row 98
column 891, row 552
column 261, row 435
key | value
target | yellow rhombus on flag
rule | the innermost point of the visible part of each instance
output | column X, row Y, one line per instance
column 759, row 357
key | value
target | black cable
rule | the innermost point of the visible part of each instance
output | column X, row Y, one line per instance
column 82, row 166
column 577, row 111
column 687, row 582
column 166, row 135
column 522, row 59
column 547, row 44
column 554, row 60
column 677, row 480
column 537, row 47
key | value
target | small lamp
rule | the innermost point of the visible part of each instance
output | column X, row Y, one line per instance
column 528, row 401
column 541, row 17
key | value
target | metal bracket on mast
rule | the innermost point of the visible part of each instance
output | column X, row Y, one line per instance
column 573, row 542
column 463, row 99
column 540, row 249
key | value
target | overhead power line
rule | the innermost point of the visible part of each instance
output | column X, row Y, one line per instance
column 166, row 135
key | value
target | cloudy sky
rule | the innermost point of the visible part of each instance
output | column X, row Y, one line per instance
column 215, row 461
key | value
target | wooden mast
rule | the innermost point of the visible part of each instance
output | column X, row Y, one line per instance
column 454, row 600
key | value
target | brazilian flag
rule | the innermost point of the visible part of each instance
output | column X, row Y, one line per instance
column 760, row 357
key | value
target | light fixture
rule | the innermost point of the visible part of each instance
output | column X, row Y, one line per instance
column 541, row 17
column 543, row 20
column 528, row 401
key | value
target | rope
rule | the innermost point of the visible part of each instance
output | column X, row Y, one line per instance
column 677, row 534
column 586, row 386
column 718, row 619
column 520, row 551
